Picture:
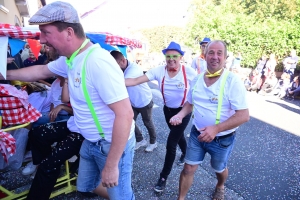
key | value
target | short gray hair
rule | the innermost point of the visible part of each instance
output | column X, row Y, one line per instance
column 216, row 41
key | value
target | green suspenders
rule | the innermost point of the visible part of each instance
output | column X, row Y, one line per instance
column 220, row 97
column 87, row 96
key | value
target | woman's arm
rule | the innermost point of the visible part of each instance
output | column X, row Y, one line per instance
column 65, row 97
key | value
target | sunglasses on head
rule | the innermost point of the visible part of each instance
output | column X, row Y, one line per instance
column 174, row 57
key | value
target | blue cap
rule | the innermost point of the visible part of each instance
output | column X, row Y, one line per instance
column 205, row 40
column 173, row 46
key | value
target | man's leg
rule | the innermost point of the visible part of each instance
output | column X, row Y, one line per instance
column 138, row 134
column 222, row 177
column 186, row 180
column 146, row 113
column 220, row 150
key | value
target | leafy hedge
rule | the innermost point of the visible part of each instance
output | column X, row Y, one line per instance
column 242, row 30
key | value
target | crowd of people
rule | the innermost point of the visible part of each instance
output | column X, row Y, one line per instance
column 97, row 96
column 263, row 78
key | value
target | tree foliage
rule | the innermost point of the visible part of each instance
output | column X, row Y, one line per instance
column 160, row 37
column 247, row 26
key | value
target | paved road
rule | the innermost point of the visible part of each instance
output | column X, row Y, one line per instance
column 265, row 163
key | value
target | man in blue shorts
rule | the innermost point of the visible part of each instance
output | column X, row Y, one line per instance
column 217, row 113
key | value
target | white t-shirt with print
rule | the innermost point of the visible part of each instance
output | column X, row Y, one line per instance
column 105, row 85
column 205, row 100
column 139, row 95
column 56, row 90
column 173, row 87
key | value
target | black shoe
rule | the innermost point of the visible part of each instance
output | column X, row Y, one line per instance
column 160, row 185
column 181, row 160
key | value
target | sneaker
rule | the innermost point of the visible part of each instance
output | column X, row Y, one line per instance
column 140, row 144
column 160, row 185
column 151, row 147
column 181, row 160
column 29, row 169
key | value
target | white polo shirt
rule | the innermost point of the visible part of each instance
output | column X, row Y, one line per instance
column 173, row 87
column 205, row 100
column 105, row 84
column 139, row 95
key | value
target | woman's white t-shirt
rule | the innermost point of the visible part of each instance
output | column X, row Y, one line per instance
column 173, row 87
column 105, row 84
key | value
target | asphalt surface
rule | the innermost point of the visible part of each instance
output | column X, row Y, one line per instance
column 265, row 163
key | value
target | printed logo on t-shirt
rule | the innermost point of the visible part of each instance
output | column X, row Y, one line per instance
column 180, row 85
column 77, row 80
column 214, row 99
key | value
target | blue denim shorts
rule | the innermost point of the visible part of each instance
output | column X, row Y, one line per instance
column 92, row 160
column 219, row 150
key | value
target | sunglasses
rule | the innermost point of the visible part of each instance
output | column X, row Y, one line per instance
column 203, row 46
column 174, row 57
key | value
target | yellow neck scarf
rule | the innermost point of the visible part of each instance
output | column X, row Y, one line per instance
column 210, row 75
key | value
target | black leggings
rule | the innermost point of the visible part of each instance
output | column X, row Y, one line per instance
column 50, row 158
column 176, row 136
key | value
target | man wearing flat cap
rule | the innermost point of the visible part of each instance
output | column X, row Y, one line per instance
column 199, row 63
column 102, row 110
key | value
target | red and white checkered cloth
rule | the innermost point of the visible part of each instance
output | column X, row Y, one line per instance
column 118, row 40
column 7, row 145
column 18, row 32
column 14, row 106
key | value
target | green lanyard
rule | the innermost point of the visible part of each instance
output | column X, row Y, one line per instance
column 87, row 96
column 70, row 60
column 220, row 97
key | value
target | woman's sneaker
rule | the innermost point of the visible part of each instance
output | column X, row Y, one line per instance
column 29, row 169
column 151, row 147
column 160, row 185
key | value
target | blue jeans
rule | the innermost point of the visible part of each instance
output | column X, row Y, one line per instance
column 219, row 150
column 92, row 160
column 44, row 119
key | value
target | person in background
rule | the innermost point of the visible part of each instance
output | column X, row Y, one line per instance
column 290, row 64
column 25, row 52
column 261, row 63
column 141, row 101
column 199, row 63
column 236, row 64
column 229, row 60
column 212, row 133
column 174, row 82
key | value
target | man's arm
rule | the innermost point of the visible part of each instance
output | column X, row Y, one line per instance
column 30, row 74
column 136, row 81
column 209, row 133
column 121, row 130
column 186, row 109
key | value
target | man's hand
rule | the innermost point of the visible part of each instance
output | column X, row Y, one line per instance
column 208, row 133
column 110, row 176
column 54, row 112
column 175, row 120
column 10, row 60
